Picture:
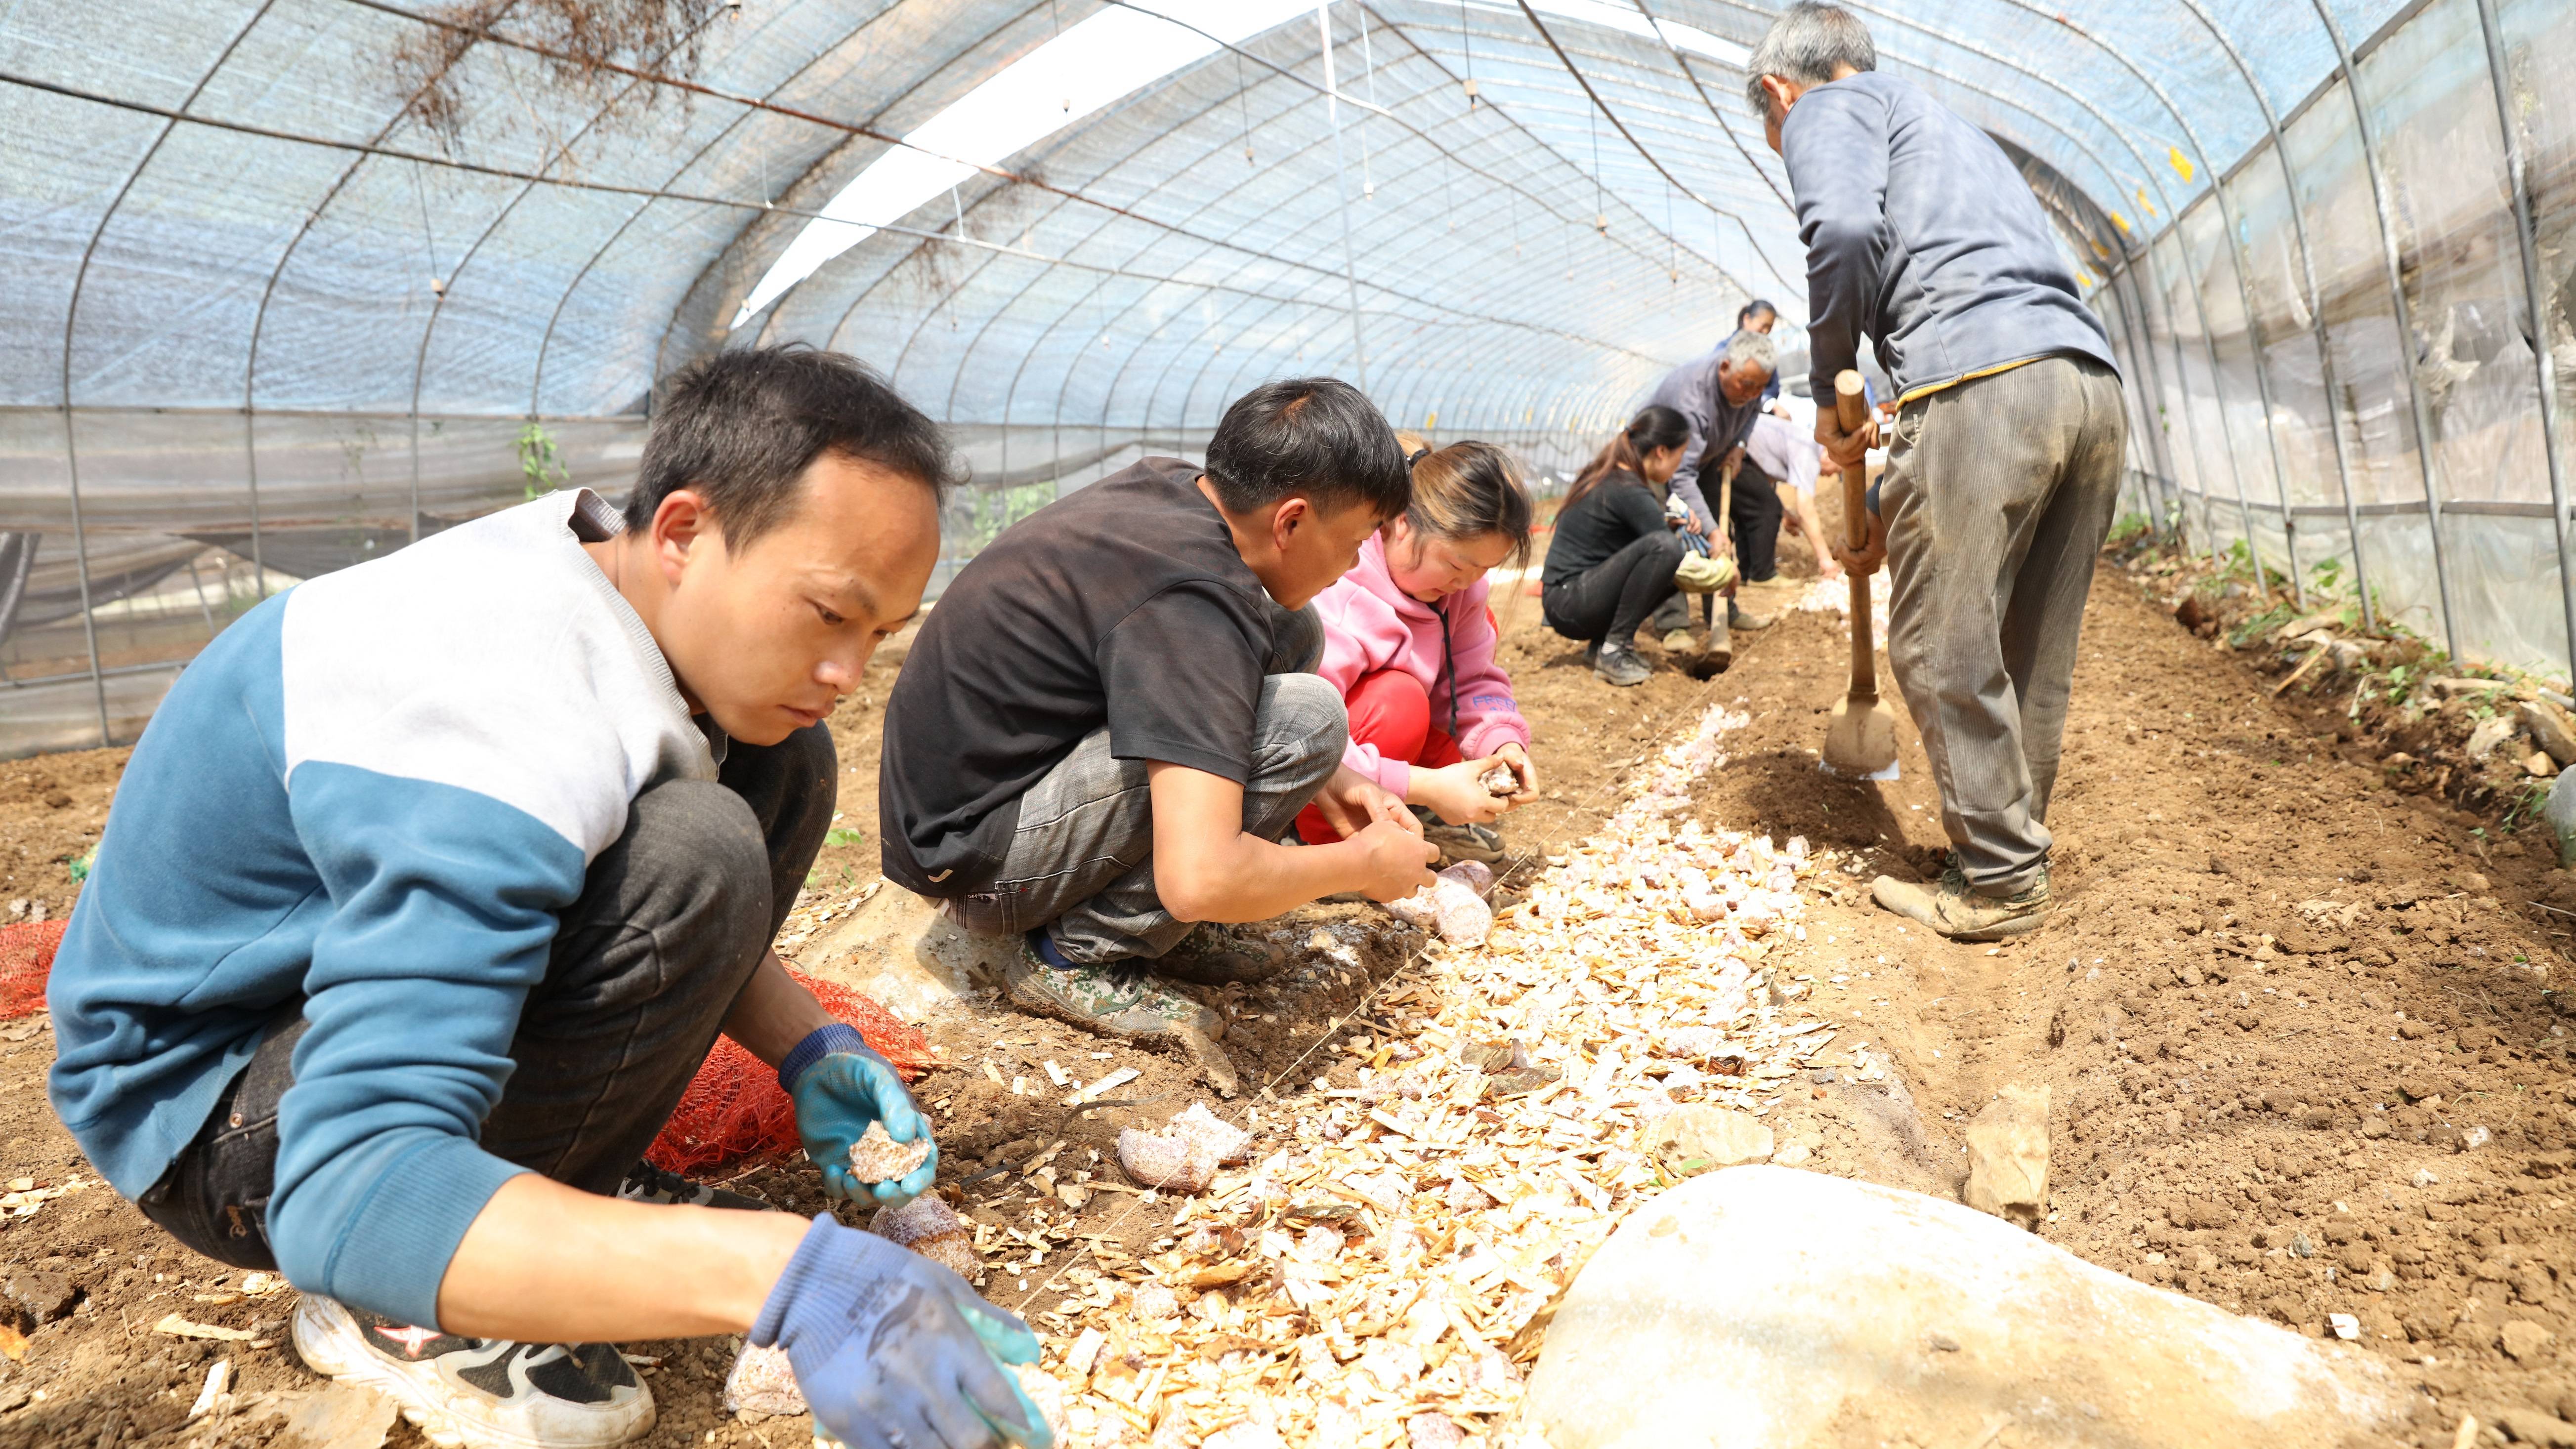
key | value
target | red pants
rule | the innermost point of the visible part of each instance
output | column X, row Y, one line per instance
column 1391, row 710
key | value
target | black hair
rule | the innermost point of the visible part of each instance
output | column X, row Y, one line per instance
column 1466, row 491
column 1654, row 427
column 740, row 428
column 1755, row 308
column 1310, row 437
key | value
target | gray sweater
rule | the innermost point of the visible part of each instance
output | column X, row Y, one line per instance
column 1922, row 235
column 1716, row 425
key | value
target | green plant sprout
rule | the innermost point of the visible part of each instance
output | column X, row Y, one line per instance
column 541, row 462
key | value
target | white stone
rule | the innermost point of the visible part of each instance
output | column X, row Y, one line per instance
column 1699, row 1139
column 1762, row 1308
column 904, row 951
column 2008, row 1156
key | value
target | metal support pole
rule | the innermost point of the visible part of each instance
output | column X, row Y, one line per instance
column 80, row 548
column 2316, row 304
column 2226, row 434
column 2124, row 347
column 1342, row 191
column 2133, row 318
column 2518, row 176
column 2402, row 310
column 2262, row 389
column 2182, row 391
column 2244, row 277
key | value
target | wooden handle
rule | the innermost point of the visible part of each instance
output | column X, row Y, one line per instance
column 1851, row 410
column 1864, row 675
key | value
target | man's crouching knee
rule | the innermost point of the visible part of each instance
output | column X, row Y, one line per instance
column 1300, row 729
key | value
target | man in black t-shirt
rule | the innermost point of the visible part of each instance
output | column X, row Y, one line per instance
column 1106, row 726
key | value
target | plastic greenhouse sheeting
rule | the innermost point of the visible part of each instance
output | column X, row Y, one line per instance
column 264, row 322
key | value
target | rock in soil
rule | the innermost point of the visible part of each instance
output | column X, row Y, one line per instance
column 2008, row 1156
column 1697, row 1139
column 1174, row 1161
column 1766, row 1308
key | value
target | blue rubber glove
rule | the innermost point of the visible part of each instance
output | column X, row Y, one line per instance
column 894, row 1351
column 839, row 1087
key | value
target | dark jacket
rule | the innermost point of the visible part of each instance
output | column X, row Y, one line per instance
column 1922, row 235
column 1618, row 511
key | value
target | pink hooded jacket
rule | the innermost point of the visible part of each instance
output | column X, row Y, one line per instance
column 1370, row 624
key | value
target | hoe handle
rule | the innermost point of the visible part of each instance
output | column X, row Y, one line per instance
column 1851, row 410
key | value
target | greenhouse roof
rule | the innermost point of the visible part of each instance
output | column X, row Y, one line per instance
column 1520, row 207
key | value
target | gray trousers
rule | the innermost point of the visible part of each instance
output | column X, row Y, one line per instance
column 1082, row 860
column 1997, row 496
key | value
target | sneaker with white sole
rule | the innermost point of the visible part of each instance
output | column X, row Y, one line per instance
column 479, row 1393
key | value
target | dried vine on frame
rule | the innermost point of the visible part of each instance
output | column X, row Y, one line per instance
column 589, row 48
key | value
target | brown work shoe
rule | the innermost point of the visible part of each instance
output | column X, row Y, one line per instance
column 1211, row 955
column 1956, row 910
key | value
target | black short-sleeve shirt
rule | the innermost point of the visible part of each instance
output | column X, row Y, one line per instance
column 1124, row 606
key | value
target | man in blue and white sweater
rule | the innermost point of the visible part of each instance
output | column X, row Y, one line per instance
column 433, row 881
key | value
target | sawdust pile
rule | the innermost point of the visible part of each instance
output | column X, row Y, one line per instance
column 1387, row 1279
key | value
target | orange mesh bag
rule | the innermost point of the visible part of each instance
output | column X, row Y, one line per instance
column 735, row 1108
column 26, row 959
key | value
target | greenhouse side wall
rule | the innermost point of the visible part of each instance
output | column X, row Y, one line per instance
column 2417, row 426
column 185, row 521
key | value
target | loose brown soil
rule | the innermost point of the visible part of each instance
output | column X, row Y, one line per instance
column 2298, row 1025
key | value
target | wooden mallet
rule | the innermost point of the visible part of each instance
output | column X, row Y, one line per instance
column 1861, row 740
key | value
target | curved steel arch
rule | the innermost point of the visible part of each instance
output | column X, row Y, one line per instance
column 2244, row 274
column 2317, row 321
column 1377, row 287
column 456, row 276
column 2401, row 311
column 1077, row 305
column 1292, row 76
column 71, row 320
column 545, row 343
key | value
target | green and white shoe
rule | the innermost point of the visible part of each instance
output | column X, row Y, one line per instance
column 1120, row 1001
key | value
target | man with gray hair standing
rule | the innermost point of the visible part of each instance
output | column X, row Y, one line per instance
column 1719, row 394
column 2005, row 464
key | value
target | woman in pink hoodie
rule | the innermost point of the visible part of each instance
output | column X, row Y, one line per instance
column 1409, row 641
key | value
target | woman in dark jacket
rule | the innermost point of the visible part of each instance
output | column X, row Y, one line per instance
column 1612, row 559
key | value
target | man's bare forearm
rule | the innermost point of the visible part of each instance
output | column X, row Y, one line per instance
column 1255, row 880
column 546, row 1263
column 773, row 1013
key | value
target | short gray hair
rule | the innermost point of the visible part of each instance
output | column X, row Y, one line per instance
column 1748, row 348
column 1805, row 45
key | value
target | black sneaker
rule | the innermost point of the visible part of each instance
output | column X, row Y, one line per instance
column 1618, row 664
column 479, row 1393
column 647, row 1183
